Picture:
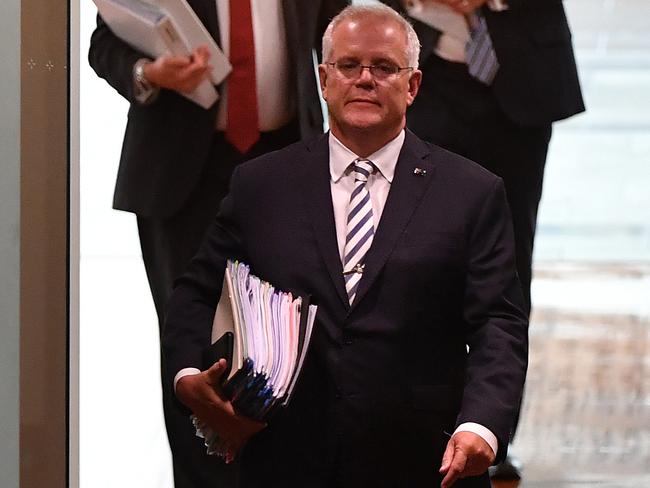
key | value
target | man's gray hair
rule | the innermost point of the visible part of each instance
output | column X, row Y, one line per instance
column 377, row 10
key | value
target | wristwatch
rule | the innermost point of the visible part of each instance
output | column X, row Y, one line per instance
column 144, row 91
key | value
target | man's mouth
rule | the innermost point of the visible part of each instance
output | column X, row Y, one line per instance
column 364, row 100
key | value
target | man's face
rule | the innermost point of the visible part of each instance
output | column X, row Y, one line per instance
column 364, row 102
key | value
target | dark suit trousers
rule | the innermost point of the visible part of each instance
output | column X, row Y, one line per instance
column 167, row 245
column 460, row 114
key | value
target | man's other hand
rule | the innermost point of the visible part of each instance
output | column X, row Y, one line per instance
column 180, row 73
column 202, row 394
column 467, row 454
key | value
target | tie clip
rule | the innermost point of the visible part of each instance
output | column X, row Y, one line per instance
column 419, row 172
column 358, row 268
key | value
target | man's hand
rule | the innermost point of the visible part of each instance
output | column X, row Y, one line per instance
column 463, row 6
column 467, row 454
column 202, row 394
column 180, row 73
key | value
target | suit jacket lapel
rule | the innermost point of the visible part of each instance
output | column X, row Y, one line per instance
column 404, row 197
column 317, row 195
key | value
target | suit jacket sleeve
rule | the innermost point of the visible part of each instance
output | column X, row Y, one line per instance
column 191, row 307
column 496, row 325
column 113, row 59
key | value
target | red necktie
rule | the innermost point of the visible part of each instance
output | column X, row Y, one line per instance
column 242, row 129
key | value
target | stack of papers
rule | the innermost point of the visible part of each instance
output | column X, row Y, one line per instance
column 159, row 27
column 264, row 335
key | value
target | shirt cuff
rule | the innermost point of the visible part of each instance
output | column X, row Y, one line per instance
column 483, row 432
column 184, row 372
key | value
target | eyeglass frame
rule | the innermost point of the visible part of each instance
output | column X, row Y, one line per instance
column 370, row 68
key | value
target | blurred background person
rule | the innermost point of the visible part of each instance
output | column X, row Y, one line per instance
column 493, row 99
column 177, row 157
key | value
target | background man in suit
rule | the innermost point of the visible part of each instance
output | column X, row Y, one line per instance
column 177, row 158
column 500, row 119
column 408, row 251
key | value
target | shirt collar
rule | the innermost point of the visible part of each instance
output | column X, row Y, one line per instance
column 384, row 159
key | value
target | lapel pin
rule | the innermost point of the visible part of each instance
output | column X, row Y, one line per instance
column 419, row 172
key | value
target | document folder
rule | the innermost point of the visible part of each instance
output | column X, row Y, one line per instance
column 169, row 28
column 264, row 334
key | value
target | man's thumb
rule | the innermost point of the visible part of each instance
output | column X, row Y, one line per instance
column 216, row 371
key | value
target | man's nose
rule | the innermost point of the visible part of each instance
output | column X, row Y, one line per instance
column 365, row 77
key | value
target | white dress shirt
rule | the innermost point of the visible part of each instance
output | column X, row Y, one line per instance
column 342, row 184
column 342, row 181
column 276, row 102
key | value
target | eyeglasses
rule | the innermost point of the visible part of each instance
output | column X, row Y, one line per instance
column 382, row 71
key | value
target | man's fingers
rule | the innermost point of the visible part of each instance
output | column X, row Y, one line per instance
column 191, row 76
column 467, row 454
column 447, row 456
column 202, row 54
column 194, row 72
column 456, row 468
column 176, row 62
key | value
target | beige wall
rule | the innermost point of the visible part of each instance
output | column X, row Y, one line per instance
column 33, row 243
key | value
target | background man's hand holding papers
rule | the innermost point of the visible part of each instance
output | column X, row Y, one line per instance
column 441, row 17
column 167, row 27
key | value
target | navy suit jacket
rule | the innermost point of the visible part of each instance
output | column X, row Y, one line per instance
column 437, row 334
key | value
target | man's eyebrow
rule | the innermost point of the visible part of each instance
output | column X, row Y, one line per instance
column 384, row 60
column 348, row 58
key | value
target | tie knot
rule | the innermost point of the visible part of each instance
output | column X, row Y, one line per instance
column 363, row 168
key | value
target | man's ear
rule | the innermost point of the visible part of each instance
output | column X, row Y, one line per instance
column 322, row 76
column 414, row 86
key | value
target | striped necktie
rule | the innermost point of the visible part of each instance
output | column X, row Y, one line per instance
column 360, row 227
column 482, row 61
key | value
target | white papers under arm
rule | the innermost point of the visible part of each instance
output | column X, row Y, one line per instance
column 310, row 327
column 196, row 34
column 153, row 31
column 135, row 22
column 277, row 338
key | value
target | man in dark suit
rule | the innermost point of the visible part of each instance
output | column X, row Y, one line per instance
column 177, row 157
column 503, row 123
column 420, row 345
